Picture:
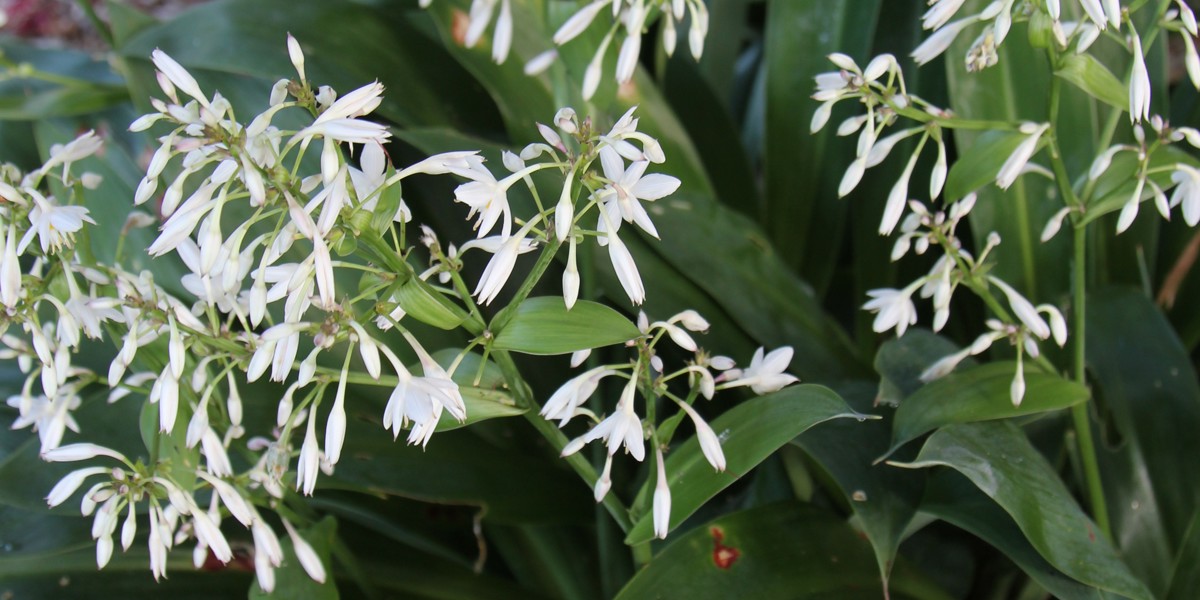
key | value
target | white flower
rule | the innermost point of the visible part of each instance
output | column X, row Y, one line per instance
column 710, row 444
column 1021, row 154
column 895, row 308
column 626, row 269
column 500, row 267
column 628, row 186
column 621, row 427
column 1139, row 82
column 765, row 373
column 1023, row 309
column 178, row 76
column 565, row 402
column 309, row 462
column 1187, row 192
column 305, row 554
column 54, row 225
column 936, row 44
column 662, row 500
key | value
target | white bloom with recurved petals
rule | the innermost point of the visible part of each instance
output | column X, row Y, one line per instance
column 621, row 427
column 765, row 373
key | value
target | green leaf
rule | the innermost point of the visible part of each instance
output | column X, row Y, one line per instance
column 346, row 46
column 803, row 216
column 979, row 163
column 291, row 580
column 1185, row 578
column 1000, row 461
column 62, row 101
column 954, row 499
column 884, row 499
column 544, row 326
column 778, row 551
column 751, row 432
column 1091, row 76
column 1147, row 383
column 980, row 394
column 901, row 361
column 427, row 305
column 513, row 484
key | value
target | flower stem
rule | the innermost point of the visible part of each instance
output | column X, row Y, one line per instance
column 556, row 438
column 1079, row 412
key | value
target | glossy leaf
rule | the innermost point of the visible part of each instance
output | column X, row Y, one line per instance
column 1185, row 578
column 512, row 485
column 544, row 326
column 750, row 432
column 884, row 499
column 978, row 164
column 901, row 361
column 1001, row 462
column 1091, row 76
column 954, row 499
column 427, row 305
column 980, row 394
column 1146, row 381
column 777, row 551
column 803, row 215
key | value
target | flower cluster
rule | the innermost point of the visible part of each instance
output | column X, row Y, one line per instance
column 630, row 18
column 263, row 239
column 616, row 191
column 895, row 309
column 647, row 375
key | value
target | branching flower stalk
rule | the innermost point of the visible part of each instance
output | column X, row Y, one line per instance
column 264, row 242
column 885, row 101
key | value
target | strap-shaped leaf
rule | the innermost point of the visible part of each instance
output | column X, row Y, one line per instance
column 751, row 432
column 980, row 394
column 778, row 551
column 1000, row 461
column 1091, row 76
column 544, row 326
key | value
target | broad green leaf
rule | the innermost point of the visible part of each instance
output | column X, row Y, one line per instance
column 126, row 21
column 803, row 215
column 547, row 560
column 1091, row 76
column 427, row 305
column 63, row 101
column 750, row 432
column 778, row 551
column 544, row 326
column 1147, row 383
column 291, row 580
column 954, row 499
column 978, row 164
column 1185, row 577
column 901, row 361
column 511, row 484
column 45, row 555
column 884, row 499
column 1000, row 461
column 345, row 45
column 713, row 132
column 980, row 394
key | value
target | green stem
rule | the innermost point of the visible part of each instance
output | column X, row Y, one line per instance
column 578, row 462
column 1079, row 412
